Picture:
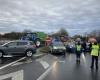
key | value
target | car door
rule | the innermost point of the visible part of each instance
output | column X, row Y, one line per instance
column 10, row 47
column 21, row 47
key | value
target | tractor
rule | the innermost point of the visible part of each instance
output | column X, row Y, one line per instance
column 37, row 37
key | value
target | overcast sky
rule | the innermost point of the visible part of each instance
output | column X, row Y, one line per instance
column 76, row 16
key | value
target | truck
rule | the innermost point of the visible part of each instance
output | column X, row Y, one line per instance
column 37, row 37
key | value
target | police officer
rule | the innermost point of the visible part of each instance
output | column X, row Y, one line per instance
column 78, row 51
column 95, row 54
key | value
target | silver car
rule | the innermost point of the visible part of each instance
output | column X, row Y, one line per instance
column 57, row 47
column 18, row 47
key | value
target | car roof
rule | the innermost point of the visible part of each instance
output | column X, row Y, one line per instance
column 16, row 41
column 19, row 41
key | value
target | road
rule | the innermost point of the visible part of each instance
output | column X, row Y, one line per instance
column 50, row 67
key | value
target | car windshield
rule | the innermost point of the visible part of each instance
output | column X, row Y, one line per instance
column 58, row 44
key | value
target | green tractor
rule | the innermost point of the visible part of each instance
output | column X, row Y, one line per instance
column 37, row 37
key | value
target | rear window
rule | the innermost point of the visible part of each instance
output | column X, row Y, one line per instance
column 22, row 43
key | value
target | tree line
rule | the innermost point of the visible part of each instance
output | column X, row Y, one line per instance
column 18, row 35
column 11, row 36
column 62, row 31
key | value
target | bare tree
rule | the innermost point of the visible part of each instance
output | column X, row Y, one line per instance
column 61, row 32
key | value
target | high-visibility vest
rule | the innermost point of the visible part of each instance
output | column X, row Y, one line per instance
column 78, row 47
column 95, row 50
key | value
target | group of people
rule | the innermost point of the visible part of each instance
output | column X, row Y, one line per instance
column 94, row 53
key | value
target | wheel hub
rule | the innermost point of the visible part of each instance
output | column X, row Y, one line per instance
column 29, row 53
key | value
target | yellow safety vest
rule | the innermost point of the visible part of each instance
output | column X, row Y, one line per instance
column 78, row 47
column 95, row 50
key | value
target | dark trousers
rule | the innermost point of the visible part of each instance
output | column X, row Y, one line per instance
column 78, row 54
column 94, row 59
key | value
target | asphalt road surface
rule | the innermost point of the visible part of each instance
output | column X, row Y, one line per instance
column 49, row 67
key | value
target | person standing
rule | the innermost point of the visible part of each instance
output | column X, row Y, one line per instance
column 78, row 51
column 84, row 46
column 95, row 54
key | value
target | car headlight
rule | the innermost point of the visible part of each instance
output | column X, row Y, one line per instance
column 54, row 47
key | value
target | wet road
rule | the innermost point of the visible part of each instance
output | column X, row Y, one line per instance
column 68, row 69
column 7, row 60
column 51, row 67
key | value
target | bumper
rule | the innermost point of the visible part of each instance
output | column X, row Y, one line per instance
column 58, row 51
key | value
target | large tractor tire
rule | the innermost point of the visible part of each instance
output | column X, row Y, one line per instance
column 38, row 42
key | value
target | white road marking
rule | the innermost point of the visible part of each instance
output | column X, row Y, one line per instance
column 12, row 63
column 61, row 61
column 20, row 63
column 19, row 75
column 47, row 72
column 44, row 64
column 83, row 57
column 70, row 57
column 28, row 61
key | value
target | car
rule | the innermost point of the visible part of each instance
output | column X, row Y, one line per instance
column 70, row 47
column 88, row 47
column 57, row 47
column 18, row 47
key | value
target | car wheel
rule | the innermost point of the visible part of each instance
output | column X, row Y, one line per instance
column 1, row 54
column 29, row 53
